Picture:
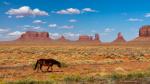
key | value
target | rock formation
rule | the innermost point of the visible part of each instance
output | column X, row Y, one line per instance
column 90, row 38
column 85, row 38
column 144, row 31
column 97, row 37
column 144, row 35
column 119, row 38
column 62, row 38
column 34, row 36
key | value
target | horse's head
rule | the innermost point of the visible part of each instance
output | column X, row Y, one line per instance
column 59, row 64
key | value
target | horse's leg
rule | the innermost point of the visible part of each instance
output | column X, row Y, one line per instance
column 38, row 68
column 48, row 68
column 41, row 67
column 51, row 69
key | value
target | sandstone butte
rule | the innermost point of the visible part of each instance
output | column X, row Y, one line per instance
column 144, row 34
column 44, row 36
column 89, row 38
column 34, row 36
column 119, row 39
column 85, row 38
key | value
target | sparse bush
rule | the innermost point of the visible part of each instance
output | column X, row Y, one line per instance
column 116, row 76
column 63, row 65
column 90, row 79
column 74, row 78
column 32, row 82
column 136, row 75
column 33, row 65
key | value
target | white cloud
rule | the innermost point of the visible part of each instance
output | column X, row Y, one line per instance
column 72, row 20
column 88, row 10
column 74, row 11
column 68, row 35
column 61, row 27
column 2, row 30
column 107, row 30
column 72, row 36
column 69, row 11
column 9, row 16
column 36, row 27
column 19, row 16
column 52, row 25
column 147, row 15
column 39, row 12
column 16, row 33
column 38, row 22
column 135, row 20
column 67, row 27
column 54, row 35
column 26, row 11
column 29, row 27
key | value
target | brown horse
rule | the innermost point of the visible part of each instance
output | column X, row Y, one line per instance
column 47, row 62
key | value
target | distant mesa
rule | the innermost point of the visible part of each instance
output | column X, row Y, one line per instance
column 86, row 38
column 119, row 39
column 144, row 34
column 34, row 36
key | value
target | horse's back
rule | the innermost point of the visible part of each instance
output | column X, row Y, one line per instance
column 47, row 60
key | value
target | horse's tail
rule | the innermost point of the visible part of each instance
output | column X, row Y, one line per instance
column 36, row 65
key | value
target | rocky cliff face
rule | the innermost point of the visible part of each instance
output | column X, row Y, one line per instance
column 144, row 31
column 119, row 38
column 97, row 38
column 85, row 38
column 34, row 36
column 144, row 35
column 89, row 39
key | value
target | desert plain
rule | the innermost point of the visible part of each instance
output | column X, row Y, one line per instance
column 99, row 64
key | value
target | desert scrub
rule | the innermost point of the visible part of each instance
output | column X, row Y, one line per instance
column 2, row 82
column 63, row 64
column 129, row 76
column 75, row 78
column 33, row 65
column 30, row 81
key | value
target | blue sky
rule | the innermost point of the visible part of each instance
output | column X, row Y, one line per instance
column 74, row 17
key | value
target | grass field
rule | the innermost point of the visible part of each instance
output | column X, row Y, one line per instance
column 81, row 64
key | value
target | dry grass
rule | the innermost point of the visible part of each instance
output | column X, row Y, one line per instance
column 78, row 61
